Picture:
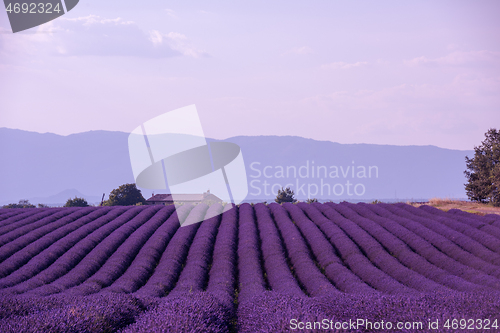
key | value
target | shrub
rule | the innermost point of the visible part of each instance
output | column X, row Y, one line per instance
column 285, row 195
column 23, row 203
column 76, row 202
column 125, row 195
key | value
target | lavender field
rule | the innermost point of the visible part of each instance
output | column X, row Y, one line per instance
column 261, row 268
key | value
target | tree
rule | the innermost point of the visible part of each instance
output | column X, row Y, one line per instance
column 311, row 200
column 483, row 170
column 285, row 195
column 22, row 204
column 125, row 195
column 76, row 202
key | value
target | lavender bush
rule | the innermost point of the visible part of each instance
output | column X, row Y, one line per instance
column 251, row 268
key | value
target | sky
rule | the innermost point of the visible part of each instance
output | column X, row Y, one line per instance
column 380, row 72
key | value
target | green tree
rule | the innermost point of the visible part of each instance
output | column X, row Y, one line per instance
column 285, row 195
column 76, row 202
column 22, row 204
column 311, row 200
column 483, row 170
column 125, row 195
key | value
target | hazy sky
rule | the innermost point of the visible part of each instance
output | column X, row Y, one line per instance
column 385, row 72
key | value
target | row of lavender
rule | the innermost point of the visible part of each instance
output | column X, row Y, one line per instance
column 259, row 257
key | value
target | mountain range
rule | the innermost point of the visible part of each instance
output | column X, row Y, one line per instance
column 49, row 168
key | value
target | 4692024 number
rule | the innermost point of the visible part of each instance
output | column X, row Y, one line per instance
column 33, row 8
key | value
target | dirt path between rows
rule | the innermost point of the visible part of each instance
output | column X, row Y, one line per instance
column 471, row 207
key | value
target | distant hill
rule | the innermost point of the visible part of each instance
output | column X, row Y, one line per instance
column 60, row 198
column 43, row 166
column 404, row 172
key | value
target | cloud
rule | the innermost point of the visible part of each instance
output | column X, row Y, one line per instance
column 93, row 35
column 171, row 13
column 465, row 92
column 177, row 42
column 96, row 36
column 422, row 108
column 344, row 65
column 457, row 58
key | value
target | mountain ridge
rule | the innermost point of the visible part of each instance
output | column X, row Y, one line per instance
column 41, row 165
